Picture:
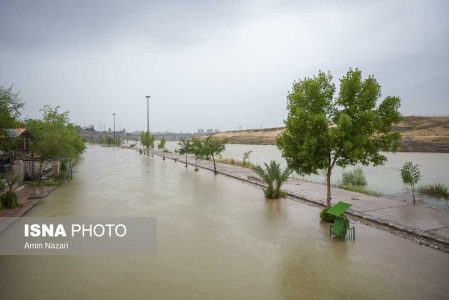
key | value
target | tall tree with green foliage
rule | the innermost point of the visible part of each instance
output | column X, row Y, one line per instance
column 147, row 139
column 10, row 107
column 323, row 131
column 185, row 148
column 198, row 150
column 213, row 147
column 54, row 137
column 411, row 174
column 10, row 110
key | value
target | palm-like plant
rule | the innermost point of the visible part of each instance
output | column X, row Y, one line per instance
column 274, row 177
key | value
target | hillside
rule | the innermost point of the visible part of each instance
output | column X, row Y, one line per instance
column 419, row 134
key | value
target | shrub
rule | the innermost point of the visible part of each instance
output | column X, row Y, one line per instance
column 9, row 200
column 436, row 190
column 354, row 177
column 410, row 176
column 325, row 217
column 273, row 177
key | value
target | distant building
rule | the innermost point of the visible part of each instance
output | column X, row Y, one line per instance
column 200, row 131
column 217, row 131
column 209, row 131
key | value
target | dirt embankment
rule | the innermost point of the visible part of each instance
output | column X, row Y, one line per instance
column 419, row 134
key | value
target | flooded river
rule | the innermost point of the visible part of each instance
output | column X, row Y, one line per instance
column 218, row 238
column 384, row 179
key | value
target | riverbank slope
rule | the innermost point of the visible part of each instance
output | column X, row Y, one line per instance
column 419, row 134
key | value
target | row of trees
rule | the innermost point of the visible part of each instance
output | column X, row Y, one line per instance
column 208, row 148
column 54, row 137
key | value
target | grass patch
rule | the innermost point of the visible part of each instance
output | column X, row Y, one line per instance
column 359, row 189
column 436, row 190
column 51, row 182
column 247, row 164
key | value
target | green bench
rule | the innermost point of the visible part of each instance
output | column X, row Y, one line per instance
column 341, row 227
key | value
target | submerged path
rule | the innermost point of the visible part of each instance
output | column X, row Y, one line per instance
column 424, row 225
column 217, row 238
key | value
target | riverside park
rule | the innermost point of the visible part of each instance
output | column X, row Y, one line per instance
column 217, row 150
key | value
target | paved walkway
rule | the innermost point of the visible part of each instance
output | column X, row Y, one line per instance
column 428, row 225
column 27, row 197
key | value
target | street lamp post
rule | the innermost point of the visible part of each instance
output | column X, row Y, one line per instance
column 114, row 126
column 148, row 119
column 148, row 113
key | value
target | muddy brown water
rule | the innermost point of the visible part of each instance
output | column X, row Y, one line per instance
column 218, row 238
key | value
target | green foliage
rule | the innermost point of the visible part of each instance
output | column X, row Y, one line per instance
column 273, row 177
column 161, row 144
column 147, row 139
column 325, row 217
column 198, row 150
column 411, row 174
column 436, row 190
column 107, row 140
column 10, row 107
column 54, row 137
column 185, row 148
column 212, row 147
column 323, row 130
column 354, row 177
column 9, row 200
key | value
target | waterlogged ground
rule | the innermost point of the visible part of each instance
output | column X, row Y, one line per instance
column 383, row 179
column 217, row 239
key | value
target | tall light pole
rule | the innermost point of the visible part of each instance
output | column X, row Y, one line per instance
column 148, row 113
column 114, row 126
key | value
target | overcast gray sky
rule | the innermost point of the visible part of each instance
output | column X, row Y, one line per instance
column 215, row 64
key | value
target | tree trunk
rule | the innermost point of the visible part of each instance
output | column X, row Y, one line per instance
column 413, row 194
column 148, row 151
column 186, row 159
column 215, row 167
column 328, row 182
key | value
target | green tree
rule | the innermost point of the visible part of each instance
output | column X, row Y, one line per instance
column 54, row 137
column 411, row 174
column 213, row 147
column 147, row 139
column 161, row 144
column 273, row 177
column 10, row 109
column 185, row 148
column 198, row 150
column 323, row 131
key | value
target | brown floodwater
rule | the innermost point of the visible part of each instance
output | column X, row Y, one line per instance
column 218, row 238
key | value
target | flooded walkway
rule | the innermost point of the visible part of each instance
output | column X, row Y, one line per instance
column 430, row 226
column 218, row 238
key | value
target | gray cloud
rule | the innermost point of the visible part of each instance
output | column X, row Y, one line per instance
column 215, row 65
